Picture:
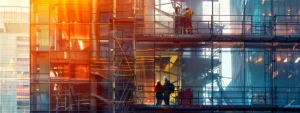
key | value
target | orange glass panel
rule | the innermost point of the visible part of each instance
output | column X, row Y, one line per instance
column 81, row 72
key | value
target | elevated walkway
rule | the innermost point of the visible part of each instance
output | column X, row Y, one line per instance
column 194, row 108
column 246, row 30
column 215, row 38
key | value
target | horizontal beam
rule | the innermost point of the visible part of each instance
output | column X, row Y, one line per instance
column 215, row 38
column 214, row 108
column 164, row 46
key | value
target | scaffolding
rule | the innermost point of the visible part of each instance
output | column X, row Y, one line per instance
column 110, row 61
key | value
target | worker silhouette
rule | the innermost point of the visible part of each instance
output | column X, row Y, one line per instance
column 159, row 90
column 168, row 91
column 188, row 13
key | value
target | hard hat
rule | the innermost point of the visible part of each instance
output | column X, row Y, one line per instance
column 165, row 78
column 157, row 81
column 186, row 7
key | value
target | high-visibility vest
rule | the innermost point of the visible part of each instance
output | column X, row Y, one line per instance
column 188, row 13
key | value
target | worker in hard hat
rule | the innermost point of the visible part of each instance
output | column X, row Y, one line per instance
column 188, row 13
column 167, row 91
column 159, row 90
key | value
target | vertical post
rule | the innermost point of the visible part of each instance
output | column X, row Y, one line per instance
column 95, row 47
column 160, row 65
column 198, row 98
column 211, row 55
column 297, row 18
column 178, row 76
column 212, row 74
column 133, row 45
column 220, row 30
column 266, row 67
column 244, row 67
column 169, row 63
column 113, row 55
column 244, row 14
column 275, row 78
column 212, row 18
column 251, row 24
column 272, row 77
column 271, row 1
column 154, row 62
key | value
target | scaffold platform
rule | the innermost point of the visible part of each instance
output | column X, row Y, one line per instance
column 215, row 38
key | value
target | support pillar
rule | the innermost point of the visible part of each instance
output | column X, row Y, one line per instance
column 95, row 19
column 149, row 15
column 112, row 44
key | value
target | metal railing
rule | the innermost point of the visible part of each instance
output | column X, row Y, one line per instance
column 202, row 95
column 249, row 25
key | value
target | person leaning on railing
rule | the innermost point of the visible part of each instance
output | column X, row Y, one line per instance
column 159, row 90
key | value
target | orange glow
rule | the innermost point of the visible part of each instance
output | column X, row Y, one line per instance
column 259, row 59
column 278, row 58
column 76, row 10
column 81, row 44
column 64, row 35
column 64, row 7
column 65, row 55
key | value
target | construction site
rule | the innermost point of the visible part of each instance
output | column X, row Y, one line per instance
column 105, row 56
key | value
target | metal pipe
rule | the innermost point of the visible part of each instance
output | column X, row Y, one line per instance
column 244, row 13
column 133, row 44
column 212, row 17
column 272, row 8
column 245, row 74
column 212, row 73
column 95, row 48
column 112, row 44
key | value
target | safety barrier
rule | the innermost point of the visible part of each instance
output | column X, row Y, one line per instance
column 204, row 95
column 251, row 25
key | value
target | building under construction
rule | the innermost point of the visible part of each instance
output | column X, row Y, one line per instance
column 104, row 56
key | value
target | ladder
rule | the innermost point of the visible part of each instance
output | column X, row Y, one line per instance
column 124, row 74
column 63, row 97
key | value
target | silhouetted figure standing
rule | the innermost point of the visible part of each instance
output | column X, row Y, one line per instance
column 167, row 93
column 159, row 90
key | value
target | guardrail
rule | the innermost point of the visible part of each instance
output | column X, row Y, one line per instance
column 204, row 95
column 283, row 25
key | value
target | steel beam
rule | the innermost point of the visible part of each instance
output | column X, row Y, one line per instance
column 215, row 38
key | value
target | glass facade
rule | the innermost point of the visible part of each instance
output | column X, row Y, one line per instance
column 60, row 54
column 98, row 56
column 14, row 58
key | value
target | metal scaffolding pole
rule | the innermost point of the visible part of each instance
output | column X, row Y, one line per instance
column 272, row 8
column 112, row 42
column 212, row 56
column 95, row 47
column 134, row 47
column 244, row 18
